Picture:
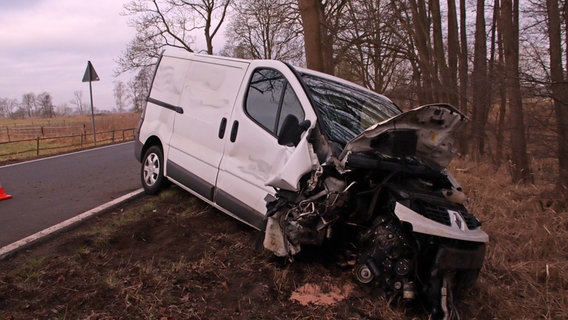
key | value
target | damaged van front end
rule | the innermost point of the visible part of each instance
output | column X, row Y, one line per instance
column 383, row 199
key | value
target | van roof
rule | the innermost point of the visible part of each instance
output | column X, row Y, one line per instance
column 182, row 53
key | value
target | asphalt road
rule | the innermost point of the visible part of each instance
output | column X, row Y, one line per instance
column 51, row 190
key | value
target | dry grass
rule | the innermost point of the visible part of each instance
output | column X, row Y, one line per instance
column 22, row 139
column 525, row 275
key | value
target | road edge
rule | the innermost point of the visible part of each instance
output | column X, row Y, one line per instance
column 65, row 225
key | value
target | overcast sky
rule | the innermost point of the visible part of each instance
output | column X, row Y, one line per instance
column 45, row 46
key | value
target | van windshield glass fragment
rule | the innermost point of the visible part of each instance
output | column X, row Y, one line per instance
column 347, row 111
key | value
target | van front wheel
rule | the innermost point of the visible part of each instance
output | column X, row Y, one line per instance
column 152, row 172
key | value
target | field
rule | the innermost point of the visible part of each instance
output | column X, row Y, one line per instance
column 173, row 257
column 27, row 138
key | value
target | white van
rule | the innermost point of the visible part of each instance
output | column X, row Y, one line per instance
column 312, row 159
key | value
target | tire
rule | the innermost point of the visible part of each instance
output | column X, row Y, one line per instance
column 152, row 171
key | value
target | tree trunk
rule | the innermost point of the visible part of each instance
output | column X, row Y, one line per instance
column 453, row 52
column 559, row 92
column 442, row 72
column 520, row 170
column 310, row 12
column 502, row 94
column 463, row 76
column 421, row 37
column 492, row 72
column 208, row 39
column 480, row 82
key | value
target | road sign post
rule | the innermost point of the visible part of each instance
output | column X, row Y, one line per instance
column 90, row 76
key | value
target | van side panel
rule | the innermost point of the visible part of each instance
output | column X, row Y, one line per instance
column 190, row 180
column 159, row 115
column 207, row 97
column 254, row 159
column 169, row 80
column 158, row 122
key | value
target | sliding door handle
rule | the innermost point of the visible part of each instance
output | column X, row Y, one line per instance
column 234, row 131
column 222, row 128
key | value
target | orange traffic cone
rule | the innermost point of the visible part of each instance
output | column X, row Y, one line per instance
column 3, row 195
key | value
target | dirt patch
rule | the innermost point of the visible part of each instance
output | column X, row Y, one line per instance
column 313, row 293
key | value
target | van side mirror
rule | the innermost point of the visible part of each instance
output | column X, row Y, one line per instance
column 291, row 131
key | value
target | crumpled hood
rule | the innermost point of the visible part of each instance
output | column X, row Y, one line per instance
column 427, row 132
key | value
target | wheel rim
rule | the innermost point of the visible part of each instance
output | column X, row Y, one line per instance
column 151, row 169
column 364, row 274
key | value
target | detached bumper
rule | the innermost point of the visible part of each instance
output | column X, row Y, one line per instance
column 424, row 225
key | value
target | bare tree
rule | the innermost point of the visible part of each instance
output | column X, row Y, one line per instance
column 45, row 102
column 374, row 53
column 416, row 23
column 334, row 25
column 421, row 27
column 463, row 75
column 453, row 54
column 63, row 110
column 77, row 101
column 7, row 107
column 120, row 95
column 266, row 29
column 169, row 23
column 520, row 169
column 312, row 20
column 498, row 76
column 559, row 86
column 157, row 25
column 139, row 88
column 29, row 103
column 480, row 82
column 440, row 65
column 322, row 22
column 211, row 13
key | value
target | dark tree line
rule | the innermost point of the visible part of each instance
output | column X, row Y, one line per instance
column 487, row 57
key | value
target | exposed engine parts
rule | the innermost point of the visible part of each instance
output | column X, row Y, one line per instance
column 407, row 231
column 388, row 254
column 307, row 223
column 388, row 202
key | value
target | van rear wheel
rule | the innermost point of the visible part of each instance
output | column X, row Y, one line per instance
column 152, row 172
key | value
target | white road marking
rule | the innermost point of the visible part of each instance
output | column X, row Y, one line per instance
column 64, row 154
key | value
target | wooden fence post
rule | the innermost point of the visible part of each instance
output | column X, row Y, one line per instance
column 83, row 140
